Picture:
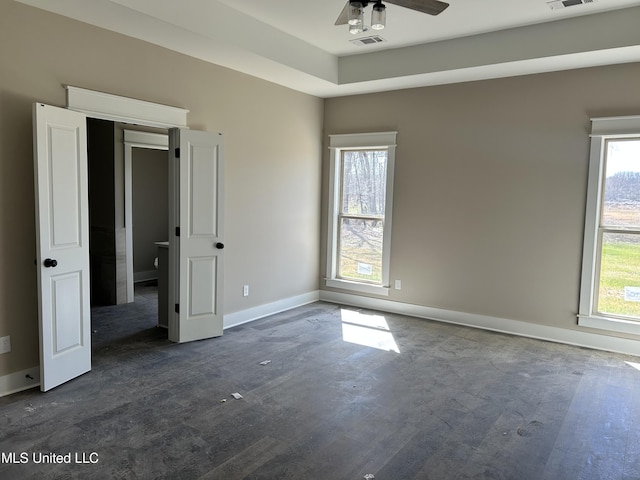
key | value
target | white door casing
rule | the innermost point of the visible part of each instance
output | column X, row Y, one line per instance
column 196, row 234
column 62, row 238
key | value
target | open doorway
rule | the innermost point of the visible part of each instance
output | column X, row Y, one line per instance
column 128, row 212
column 147, row 227
column 149, row 211
column 62, row 228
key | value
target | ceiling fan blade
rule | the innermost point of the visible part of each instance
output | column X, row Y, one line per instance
column 343, row 18
column 431, row 7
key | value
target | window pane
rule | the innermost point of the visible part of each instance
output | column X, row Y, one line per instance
column 364, row 181
column 621, row 207
column 619, row 292
column 360, row 256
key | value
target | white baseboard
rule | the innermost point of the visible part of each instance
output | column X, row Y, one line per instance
column 30, row 378
column 18, row 381
column 261, row 311
column 496, row 324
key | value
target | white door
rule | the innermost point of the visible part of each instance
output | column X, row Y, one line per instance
column 196, row 235
column 62, row 230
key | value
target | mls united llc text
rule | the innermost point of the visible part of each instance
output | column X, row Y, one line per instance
column 54, row 458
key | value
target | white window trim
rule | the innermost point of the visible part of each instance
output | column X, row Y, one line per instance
column 369, row 141
column 602, row 129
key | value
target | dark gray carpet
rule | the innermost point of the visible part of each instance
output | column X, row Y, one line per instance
column 451, row 403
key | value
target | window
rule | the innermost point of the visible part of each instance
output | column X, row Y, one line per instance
column 610, row 290
column 360, row 198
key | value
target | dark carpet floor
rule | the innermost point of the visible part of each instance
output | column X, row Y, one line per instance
column 328, row 392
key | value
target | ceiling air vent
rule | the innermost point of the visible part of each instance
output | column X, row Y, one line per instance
column 557, row 4
column 373, row 40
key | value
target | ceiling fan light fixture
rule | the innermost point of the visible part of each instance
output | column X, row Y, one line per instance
column 378, row 16
column 356, row 14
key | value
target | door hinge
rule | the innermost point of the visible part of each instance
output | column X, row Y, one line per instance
column 177, row 308
column 177, row 153
column 177, row 231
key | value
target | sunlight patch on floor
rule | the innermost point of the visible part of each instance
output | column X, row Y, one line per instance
column 634, row 365
column 367, row 330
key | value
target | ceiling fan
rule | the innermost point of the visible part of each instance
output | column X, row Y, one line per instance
column 353, row 12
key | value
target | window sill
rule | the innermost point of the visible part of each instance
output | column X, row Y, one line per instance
column 610, row 324
column 357, row 287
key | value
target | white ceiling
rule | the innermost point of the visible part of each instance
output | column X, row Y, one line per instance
column 296, row 44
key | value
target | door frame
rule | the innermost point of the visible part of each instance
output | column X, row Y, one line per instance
column 91, row 104
column 106, row 106
column 135, row 139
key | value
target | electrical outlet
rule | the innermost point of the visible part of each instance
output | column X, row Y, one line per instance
column 245, row 291
column 398, row 285
column 5, row 344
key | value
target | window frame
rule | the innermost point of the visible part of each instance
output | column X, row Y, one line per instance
column 602, row 131
column 337, row 145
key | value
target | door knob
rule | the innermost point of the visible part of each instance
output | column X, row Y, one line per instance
column 49, row 262
column 219, row 245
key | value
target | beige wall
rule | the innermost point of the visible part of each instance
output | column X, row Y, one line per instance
column 490, row 186
column 150, row 206
column 272, row 153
